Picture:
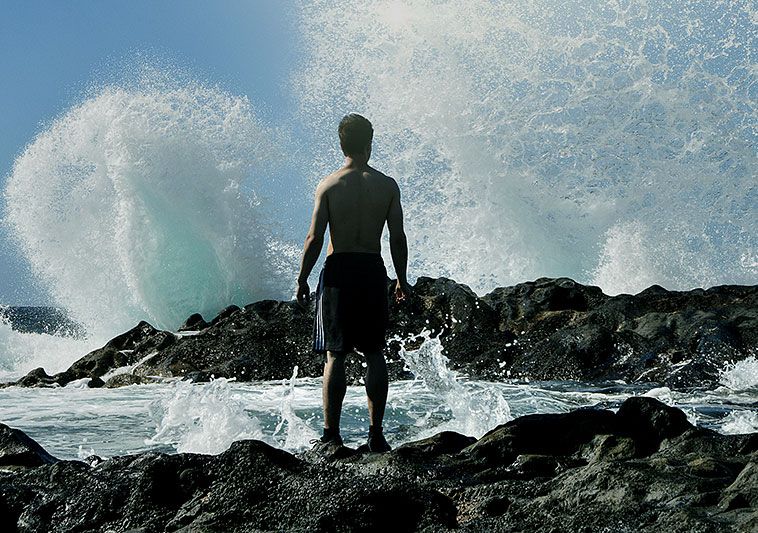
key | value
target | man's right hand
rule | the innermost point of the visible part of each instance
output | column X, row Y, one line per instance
column 403, row 291
column 303, row 293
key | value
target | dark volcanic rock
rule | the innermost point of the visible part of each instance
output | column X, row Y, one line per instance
column 534, row 434
column 569, row 331
column 645, row 421
column 265, row 340
column 130, row 348
column 17, row 449
column 250, row 487
column 127, row 349
column 225, row 313
column 539, row 473
column 651, row 422
column 548, row 329
column 95, row 383
column 120, row 380
column 136, row 345
column 194, row 322
column 446, row 442
column 37, row 378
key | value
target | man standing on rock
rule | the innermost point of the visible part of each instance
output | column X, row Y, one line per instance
column 351, row 298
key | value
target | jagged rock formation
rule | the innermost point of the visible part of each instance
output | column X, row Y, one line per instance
column 644, row 468
column 549, row 329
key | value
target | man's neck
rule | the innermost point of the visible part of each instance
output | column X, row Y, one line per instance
column 356, row 162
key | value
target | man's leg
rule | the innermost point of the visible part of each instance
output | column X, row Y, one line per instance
column 334, row 390
column 376, row 386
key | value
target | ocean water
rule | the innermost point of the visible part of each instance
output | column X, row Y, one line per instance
column 178, row 416
column 611, row 142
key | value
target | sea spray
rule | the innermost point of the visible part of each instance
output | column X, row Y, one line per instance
column 611, row 142
column 297, row 433
column 84, row 454
column 203, row 418
column 473, row 411
column 21, row 352
column 208, row 417
column 741, row 376
column 141, row 203
column 179, row 414
column 739, row 422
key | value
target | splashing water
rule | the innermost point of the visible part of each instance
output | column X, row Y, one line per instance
column 742, row 375
column 75, row 421
column 21, row 352
column 474, row 411
column 203, row 419
column 612, row 142
column 297, row 433
column 740, row 422
column 140, row 203
column 207, row 418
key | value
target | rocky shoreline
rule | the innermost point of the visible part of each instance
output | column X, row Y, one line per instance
column 643, row 468
column 548, row 329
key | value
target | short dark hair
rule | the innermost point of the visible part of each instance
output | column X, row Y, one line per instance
column 356, row 133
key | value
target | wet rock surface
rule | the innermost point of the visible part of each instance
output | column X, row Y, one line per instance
column 548, row 329
column 644, row 468
column 17, row 449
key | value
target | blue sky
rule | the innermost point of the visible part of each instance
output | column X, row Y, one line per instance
column 52, row 51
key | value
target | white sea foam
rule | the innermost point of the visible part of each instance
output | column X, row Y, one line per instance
column 208, row 417
column 297, row 433
column 21, row 352
column 473, row 411
column 83, row 454
column 81, row 383
column 203, row 418
column 742, row 375
column 612, row 142
column 127, row 369
column 740, row 421
column 662, row 394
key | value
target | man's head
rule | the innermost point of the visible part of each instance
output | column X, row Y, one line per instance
column 356, row 133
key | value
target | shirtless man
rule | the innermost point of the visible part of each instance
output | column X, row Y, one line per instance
column 351, row 299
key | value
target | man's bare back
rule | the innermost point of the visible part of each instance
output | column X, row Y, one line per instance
column 359, row 202
column 355, row 202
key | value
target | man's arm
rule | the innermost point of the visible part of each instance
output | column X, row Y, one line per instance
column 314, row 241
column 398, row 243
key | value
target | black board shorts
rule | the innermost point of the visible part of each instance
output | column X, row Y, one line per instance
column 351, row 303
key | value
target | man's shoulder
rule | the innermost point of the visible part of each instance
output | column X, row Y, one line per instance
column 328, row 181
column 384, row 178
column 336, row 178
